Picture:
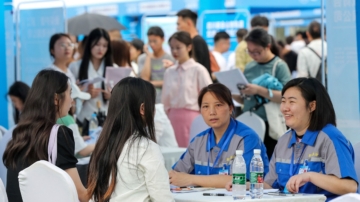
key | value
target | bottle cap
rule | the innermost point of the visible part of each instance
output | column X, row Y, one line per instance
column 257, row 151
column 239, row 152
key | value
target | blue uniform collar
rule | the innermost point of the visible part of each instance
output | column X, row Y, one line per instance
column 221, row 143
column 308, row 138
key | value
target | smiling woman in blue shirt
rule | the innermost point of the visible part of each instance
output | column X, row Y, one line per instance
column 203, row 162
column 314, row 156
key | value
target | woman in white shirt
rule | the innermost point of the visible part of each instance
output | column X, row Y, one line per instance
column 61, row 50
column 97, row 56
column 127, row 164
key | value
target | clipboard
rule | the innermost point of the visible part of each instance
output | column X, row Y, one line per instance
column 231, row 79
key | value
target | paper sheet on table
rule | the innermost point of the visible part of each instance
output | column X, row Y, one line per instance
column 85, row 83
column 114, row 74
column 231, row 79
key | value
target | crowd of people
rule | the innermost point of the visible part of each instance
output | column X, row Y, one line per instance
column 156, row 105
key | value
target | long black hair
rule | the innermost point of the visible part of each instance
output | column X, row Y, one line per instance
column 123, row 123
column 37, row 119
column 312, row 90
column 19, row 90
column 93, row 38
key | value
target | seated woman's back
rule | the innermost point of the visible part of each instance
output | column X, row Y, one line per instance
column 141, row 172
column 127, row 164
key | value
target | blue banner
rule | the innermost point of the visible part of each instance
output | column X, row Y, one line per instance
column 211, row 23
column 36, row 27
column 10, row 56
column 343, row 65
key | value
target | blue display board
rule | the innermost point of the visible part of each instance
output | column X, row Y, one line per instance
column 10, row 57
column 36, row 26
column 211, row 23
column 343, row 65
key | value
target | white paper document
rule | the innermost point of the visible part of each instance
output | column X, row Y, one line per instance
column 85, row 83
column 231, row 79
column 115, row 74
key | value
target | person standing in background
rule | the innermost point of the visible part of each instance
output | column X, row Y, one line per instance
column 182, row 85
column 121, row 55
column 298, row 43
column 151, row 65
column 259, row 44
column 18, row 93
column 187, row 22
column 242, row 58
column 289, row 56
column 240, row 35
column 309, row 58
column 61, row 49
column 97, row 56
column 222, row 45
column 136, row 49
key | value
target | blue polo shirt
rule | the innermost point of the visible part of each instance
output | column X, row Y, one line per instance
column 326, row 151
column 202, row 152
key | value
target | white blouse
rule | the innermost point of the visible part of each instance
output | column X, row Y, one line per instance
column 90, row 106
column 141, row 175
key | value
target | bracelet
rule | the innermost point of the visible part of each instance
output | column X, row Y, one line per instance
column 271, row 95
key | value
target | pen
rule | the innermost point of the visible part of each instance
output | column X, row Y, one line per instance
column 215, row 194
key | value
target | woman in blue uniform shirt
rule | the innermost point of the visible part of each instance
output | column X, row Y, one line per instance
column 314, row 156
column 203, row 162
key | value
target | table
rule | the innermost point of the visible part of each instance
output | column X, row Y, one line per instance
column 198, row 197
column 171, row 155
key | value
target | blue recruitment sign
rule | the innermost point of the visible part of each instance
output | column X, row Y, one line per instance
column 36, row 26
column 10, row 56
column 3, row 74
column 342, row 32
column 212, row 22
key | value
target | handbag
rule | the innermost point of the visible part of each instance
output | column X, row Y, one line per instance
column 52, row 147
column 277, row 125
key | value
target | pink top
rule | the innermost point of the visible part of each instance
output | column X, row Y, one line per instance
column 182, row 85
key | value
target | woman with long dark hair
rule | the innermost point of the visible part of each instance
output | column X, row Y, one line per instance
column 18, row 93
column 127, row 164
column 97, row 56
column 48, row 99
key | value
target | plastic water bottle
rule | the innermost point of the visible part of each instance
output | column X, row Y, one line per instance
column 239, row 176
column 93, row 124
column 256, row 175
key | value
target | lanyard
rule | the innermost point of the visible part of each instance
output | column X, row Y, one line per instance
column 291, row 172
column 229, row 137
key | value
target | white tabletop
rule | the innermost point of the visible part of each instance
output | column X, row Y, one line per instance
column 198, row 197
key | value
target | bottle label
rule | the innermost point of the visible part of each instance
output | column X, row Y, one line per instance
column 239, row 179
column 256, row 177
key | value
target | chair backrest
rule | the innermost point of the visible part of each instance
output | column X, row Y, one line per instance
column 3, row 195
column 254, row 122
column 348, row 197
column 197, row 126
column 43, row 182
column 3, row 143
column 357, row 160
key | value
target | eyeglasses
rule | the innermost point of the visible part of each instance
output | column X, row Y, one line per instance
column 254, row 53
column 67, row 45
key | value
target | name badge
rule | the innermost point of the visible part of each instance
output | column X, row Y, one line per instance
column 303, row 169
